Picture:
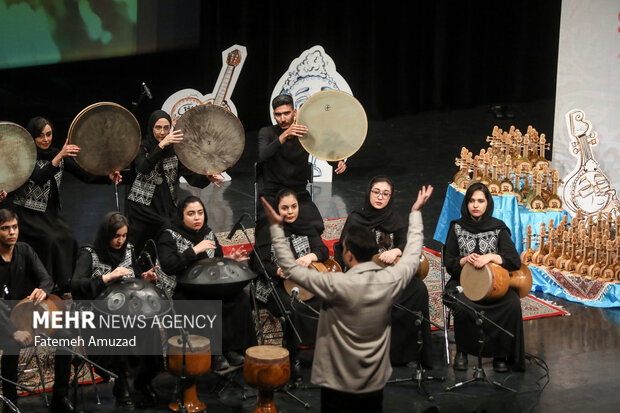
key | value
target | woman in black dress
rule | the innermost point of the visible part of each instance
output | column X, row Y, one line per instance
column 152, row 198
column 109, row 259
column 188, row 240
column 38, row 204
column 478, row 238
column 390, row 230
column 307, row 247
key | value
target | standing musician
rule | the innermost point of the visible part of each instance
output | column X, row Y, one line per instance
column 153, row 197
column 189, row 240
column 285, row 163
column 38, row 204
column 478, row 238
column 352, row 360
column 109, row 259
column 390, row 230
column 23, row 275
column 307, row 246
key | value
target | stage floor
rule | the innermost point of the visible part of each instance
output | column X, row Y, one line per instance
column 581, row 350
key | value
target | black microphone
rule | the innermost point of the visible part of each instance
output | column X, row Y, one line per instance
column 294, row 292
column 236, row 227
column 147, row 91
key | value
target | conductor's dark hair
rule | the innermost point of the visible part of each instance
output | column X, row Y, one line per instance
column 361, row 242
column 7, row 215
column 36, row 125
column 282, row 100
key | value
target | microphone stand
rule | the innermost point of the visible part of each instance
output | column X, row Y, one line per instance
column 479, row 374
column 419, row 376
column 9, row 403
column 185, row 342
column 286, row 318
column 83, row 359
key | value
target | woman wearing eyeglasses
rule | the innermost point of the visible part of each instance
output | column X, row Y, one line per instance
column 390, row 229
column 38, row 204
column 152, row 199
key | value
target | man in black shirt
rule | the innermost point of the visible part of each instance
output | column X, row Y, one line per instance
column 23, row 275
column 285, row 163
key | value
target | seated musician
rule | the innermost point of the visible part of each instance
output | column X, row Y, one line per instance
column 307, row 246
column 352, row 360
column 22, row 275
column 478, row 238
column 285, row 164
column 390, row 230
column 188, row 241
column 109, row 259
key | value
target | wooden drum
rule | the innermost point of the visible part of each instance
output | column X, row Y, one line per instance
column 329, row 265
column 197, row 363
column 492, row 281
column 422, row 271
column 266, row 368
column 23, row 313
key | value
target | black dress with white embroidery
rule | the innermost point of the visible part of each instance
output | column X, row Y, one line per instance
column 506, row 312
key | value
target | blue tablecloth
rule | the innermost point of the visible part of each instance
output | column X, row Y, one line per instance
column 516, row 217
column 574, row 288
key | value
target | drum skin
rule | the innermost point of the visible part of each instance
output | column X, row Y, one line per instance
column 489, row 283
column 23, row 313
column 18, row 156
column 197, row 363
column 266, row 367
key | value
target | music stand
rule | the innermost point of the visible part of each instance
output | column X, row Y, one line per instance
column 479, row 373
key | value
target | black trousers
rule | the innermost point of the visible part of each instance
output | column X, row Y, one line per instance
column 334, row 401
column 9, row 360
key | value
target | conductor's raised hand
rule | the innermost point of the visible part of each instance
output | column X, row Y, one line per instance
column 2, row 195
column 175, row 136
column 272, row 215
column 423, row 195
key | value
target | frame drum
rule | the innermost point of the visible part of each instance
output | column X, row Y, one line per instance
column 213, row 139
column 108, row 136
column 336, row 122
column 23, row 313
column 18, row 156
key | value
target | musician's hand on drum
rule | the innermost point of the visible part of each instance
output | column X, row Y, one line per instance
column 150, row 275
column 118, row 272
column 293, row 131
column 306, row 260
column 239, row 255
column 471, row 258
column 173, row 137
column 215, row 179
column 342, row 166
column 423, row 195
column 67, row 150
column 116, row 177
column 204, row 245
column 280, row 273
column 482, row 260
column 389, row 256
column 23, row 337
column 2, row 195
column 273, row 217
column 37, row 295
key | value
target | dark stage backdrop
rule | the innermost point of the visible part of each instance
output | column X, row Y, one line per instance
column 398, row 57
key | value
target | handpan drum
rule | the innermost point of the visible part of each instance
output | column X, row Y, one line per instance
column 108, row 136
column 216, row 278
column 18, row 155
column 336, row 122
column 131, row 297
column 213, row 139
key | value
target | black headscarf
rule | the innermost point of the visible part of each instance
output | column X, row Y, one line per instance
column 385, row 219
column 301, row 226
column 487, row 222
column 178, row 225
column 105, row 234
column 150, row 140
column 35, row 127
